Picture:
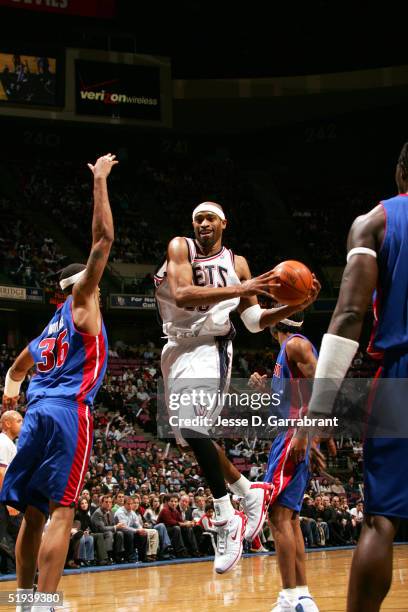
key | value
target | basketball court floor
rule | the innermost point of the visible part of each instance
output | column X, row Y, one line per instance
column 193, row 587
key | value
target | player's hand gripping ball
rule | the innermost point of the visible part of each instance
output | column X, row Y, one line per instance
column 295, row 280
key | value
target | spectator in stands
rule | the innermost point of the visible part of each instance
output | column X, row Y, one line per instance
column 199, row 510
column 357, row 517
column 164, row 541
column 191, row 531
column 337, row 488
column 135, row 537
column 308, row 522
column 171, row 517
column 352, row 490
column 208, row 540
column 102, row 521
column 83, row 515
column 119, row 501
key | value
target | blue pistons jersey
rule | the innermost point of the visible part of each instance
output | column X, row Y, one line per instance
column 385, row 458
column 55, row 441
column 391, row 297
column 70, row 365
column 289, row 481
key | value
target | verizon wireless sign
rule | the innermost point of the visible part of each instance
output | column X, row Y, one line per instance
column 86, row 8
column 118, row 90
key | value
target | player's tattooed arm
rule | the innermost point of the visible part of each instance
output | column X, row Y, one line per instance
column 102, row 230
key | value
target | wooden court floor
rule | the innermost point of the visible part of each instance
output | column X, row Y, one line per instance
column 193, row 587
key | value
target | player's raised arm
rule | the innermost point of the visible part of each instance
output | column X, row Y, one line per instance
column 102, row 231
column 256, row 318
column 185, row 294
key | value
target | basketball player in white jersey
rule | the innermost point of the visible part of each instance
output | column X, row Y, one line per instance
column 197, row 288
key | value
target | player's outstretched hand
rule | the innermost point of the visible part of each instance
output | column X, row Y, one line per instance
column 9, row 403
column 257, row 381
column 314, row 292
column 103, row 166
column 260, row 285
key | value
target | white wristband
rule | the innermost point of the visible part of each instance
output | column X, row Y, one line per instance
column 11, row 387
column 251, row 318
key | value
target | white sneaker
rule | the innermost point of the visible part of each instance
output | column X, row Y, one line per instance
column 306, row 603
column 256, row 504
column 229, row 543
column 284, row 605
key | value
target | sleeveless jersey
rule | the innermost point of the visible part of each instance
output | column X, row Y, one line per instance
column 293, row 397
column 391, row 297
column 212, row 320
column 70, row 365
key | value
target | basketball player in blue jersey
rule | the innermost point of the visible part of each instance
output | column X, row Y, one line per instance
column 70, row 359
column 197, row 288
column 377, row 259
column 288, row 464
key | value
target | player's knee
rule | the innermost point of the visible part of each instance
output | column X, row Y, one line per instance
column 385, row 527
column 34, row 518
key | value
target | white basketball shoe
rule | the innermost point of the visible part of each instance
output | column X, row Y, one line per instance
column 306, row 603
column 229, row 543
column 284, row 604
column 256, row 503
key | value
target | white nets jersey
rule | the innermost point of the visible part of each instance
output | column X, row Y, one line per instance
column 212, row 320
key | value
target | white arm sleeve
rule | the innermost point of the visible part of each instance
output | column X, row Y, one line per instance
column 336, row 355
column 251, row 318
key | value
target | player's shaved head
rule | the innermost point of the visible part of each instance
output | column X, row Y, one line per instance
column 403, row 158
column 401, row 174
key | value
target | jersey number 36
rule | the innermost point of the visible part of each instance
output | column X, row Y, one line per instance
column 50, row 357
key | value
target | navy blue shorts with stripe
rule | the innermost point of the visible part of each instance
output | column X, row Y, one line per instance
column 52, row 456
column 289, row 480
column 385, row 459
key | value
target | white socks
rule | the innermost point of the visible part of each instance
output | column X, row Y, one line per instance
column 291, row 594
column 24, row 607
column 303, row 591
column 241, row 486
column 42, row 607
column 223, row 509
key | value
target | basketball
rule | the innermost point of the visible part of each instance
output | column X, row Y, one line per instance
column 296, row 282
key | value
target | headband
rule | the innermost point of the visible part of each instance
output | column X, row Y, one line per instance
column 71, row 280
column 209, row 207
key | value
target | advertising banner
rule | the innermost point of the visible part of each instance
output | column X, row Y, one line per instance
column 117, row 90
